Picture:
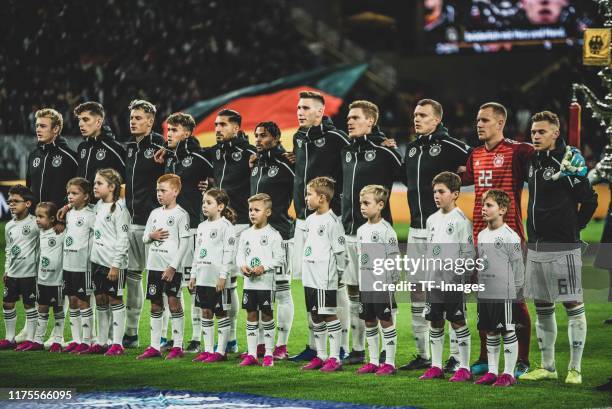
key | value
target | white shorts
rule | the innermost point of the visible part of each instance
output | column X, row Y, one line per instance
column 137, row 252
column 554, row 276
column 416, row 248
column 351, row 269
column 297, row 251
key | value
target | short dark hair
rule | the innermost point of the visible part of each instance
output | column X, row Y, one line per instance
column 313, row 95
column 232, row 116
column 180, row 118
column 451, row 180
column 95, row 108
column 547, row 116
column 271, row 127
column 497, row 108
column 22, row 191
column 146, row 106
column 499, row 196
column 435, row 106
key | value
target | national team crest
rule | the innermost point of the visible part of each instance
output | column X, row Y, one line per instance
column 187, row 161
column 435, row 149
column 273, row 171
column 26, row 230
column 149, row 153
column 57, row 160
column 36, row 162
column 101, row 154
column 213, row 234
column 347, row 157
column 83, row 153
column 80, row 221
column 370, row 156
column 412, row 152
column 319, row 143
column 321, row 230
column 498, row 160
column 52, row 242
column 255, row 171
column 498, row 243
column 375, row 237
column 170, row 221
column 263, row 241
column 108, row 218
column 152, row 289
column 237, row 156
column 450, row 229
column 548, row 173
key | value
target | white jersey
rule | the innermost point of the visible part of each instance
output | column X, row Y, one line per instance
column 78, row 239
column 376, row 241
column 51, row 253
column 110, row 248
column 449, row 238
column 21, row 238
column 261, row 247
column 163, row 254
column 504, row 272
column 324, row 249
column 214, row 255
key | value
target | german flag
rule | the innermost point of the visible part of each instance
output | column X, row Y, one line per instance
column 275, row 101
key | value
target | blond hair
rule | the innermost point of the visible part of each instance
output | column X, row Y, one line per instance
column 56, row 117
column 324, row 186
column 380, row 193
column 370, row 110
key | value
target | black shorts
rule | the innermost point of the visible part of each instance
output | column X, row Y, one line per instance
column 52, row 295
column 78, row 284
column 102, row 285
column 156, row 287
column 208, row 298
column 495, row 316
column 380, row 305
column 14, row 288
column 445, row 305
column 321, row 302
column 257, row 300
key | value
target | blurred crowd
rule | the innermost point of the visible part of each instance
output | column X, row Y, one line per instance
column 171, row 53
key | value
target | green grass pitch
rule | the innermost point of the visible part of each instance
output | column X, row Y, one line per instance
column 86, row 373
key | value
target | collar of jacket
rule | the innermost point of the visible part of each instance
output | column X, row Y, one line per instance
column 438, row 133
column 376, row 137
column 556, row 153
column 315, row 132
column 236, row 142
column 186, row 147
column 268, row 155
column 60, row 141
column 106, row 133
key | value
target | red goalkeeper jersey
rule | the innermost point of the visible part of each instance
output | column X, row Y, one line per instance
column 505, row 168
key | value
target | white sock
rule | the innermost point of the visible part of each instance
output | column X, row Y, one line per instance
column 284, row 317
column 373, row 344
column 390, row 343
column 357, row 324
column 118, row 323
column 30, row 325
column 103, row 323
column 196, row 313
column 59, row 319
column 510, row 352
column 576, row 333
column 334, row 333
column 453, row 343
column 178, row 328
column 233, row 316
column 156, row 329
column 436, row 339
column 320, row 335
column 260, row 331
column 493, row 347
column 311, row 335
column 10, row 322
column 165, row 317
column 465, row 345
column 268, row 327
column 87, row 325
column 252, row 331
column 344, row 316
column 420, row 330
column 546, row 331
column 41, row 327
column 223, row 332
column 208, row 329
column 134, row 302
column 75, row 325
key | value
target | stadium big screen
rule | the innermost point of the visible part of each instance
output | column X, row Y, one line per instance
column 480, row 26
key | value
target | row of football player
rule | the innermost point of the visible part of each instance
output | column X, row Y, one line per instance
column 260, row 263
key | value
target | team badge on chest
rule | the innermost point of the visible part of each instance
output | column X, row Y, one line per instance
column 187, row 161
column 57, row 160
column 435, row 149
column 370, row 156
column 319, row 143
column 101, row 154
column 273, row 171
column 149, row 153
column 548, row 173
column 237, row 156
column 498, row 160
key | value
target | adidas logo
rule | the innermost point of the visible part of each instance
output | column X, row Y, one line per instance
column 111, row 289
column 81, row 290
column 251, row 334
column 390, row 343
column 218, row 305
column 85, row 326
column 57, row 324
column 173, row 289
column 267, row 336
column 506, row 351
column 115, row 324
column 463, row 344
column 500, row 325
column 266, row 303
column 576, row 180
column 175, row 332
column 459, row 312
column 313, row 309
column 52, row 299
column 32, row 296
column 387, row 310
